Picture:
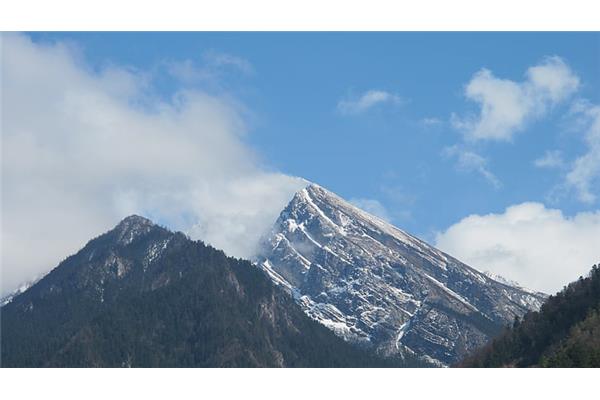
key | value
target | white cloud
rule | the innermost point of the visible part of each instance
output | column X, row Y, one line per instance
column 372, row 206
column 430, row 121
column 213, row 64
column 467, row 160
column 551, row 159
column 82, row 149
column 584, row 173
column 552, row 80
column 534, row 245
column 189, row 72
column 367, row 100
column 507, row 106
column 218, row 60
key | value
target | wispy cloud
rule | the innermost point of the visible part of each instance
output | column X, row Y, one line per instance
column 506, row 106
column 470, row 161
column 211, row 66
column 431, row 121
column 584, row 172
column 220, row 60
column 188, row 71
column 77, row 153
column 368, row 100
column 551, row 159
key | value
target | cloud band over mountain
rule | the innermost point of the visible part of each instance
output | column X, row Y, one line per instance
column 84, row 148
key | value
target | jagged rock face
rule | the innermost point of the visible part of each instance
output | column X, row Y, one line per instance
column 140, row 295
column 376, row 285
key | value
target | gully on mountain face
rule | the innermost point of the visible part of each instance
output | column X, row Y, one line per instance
column 378, row 286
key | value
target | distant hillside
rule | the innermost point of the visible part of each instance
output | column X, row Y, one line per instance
column 143, row 296
column 564, row 333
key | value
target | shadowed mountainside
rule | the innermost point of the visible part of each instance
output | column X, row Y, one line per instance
column 142, row 296
column 564, row 333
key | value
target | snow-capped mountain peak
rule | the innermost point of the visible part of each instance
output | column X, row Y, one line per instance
column 377, row 285
column 131, row 227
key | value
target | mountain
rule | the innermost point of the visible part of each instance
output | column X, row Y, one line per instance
column 382, row 288
column 26, row 285
column 142, row 296
column 564, row 333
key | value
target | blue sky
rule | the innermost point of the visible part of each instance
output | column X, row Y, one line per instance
column 395, row 122
column 386, row 153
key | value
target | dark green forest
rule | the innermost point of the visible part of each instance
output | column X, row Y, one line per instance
column 564, row 333
column 142, row 296
column 107, row 306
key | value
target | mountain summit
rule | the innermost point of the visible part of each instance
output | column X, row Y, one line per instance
column 141, row 295
column 378, row 286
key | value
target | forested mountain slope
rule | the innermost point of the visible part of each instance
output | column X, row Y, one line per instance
column 143, row 296
column 564, row 333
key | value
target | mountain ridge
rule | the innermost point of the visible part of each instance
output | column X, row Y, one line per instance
column 565, row 332
column 143, row 296
column 376, row 285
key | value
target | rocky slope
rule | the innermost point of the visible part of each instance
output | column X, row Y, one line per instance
column 376, row 285
column 143, row 296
